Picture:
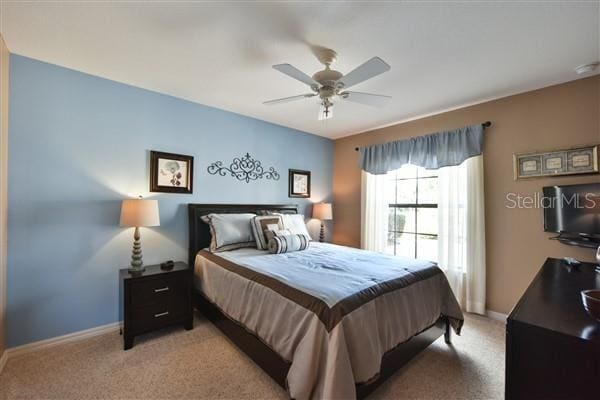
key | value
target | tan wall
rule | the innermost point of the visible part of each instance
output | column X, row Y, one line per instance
column 554, row 117
column 4, row 56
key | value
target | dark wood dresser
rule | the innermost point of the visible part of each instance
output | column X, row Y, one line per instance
column 552, row 344
column 155, row 299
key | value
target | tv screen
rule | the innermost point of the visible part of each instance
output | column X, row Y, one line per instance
column 572, row 209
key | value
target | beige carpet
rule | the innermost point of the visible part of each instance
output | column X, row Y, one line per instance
column 203, row 364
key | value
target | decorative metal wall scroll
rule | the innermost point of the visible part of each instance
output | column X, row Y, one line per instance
column 245, row 169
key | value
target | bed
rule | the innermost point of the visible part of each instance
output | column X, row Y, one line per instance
column 326, row 322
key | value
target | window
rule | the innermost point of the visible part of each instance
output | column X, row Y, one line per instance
column 413, row 215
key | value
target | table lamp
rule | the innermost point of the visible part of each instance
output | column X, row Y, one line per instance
column 323, row 212
column 137, row 213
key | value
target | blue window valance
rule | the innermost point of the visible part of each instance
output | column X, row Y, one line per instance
column 433, row 151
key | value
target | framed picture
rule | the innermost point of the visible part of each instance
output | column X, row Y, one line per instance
column 299, row 183
column 571, row 161
column 171, row 173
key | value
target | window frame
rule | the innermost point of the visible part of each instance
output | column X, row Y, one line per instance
column 414, row 206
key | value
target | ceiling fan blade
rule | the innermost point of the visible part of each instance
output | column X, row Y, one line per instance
column 295, row 73
column 373, row 100
column 288, row 99
column 368, row 70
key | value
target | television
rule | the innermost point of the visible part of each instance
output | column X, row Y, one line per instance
column 573, row 210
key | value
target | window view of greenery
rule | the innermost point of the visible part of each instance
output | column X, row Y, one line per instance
column 412, row 218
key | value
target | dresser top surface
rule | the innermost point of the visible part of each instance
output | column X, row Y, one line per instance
column 553, row 300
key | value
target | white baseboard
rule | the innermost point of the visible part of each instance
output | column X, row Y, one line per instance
column 496, row 315
column 64, row 339
column 3, row 360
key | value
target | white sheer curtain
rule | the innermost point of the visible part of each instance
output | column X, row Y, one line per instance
column 461, row 231
column 374, row 212
column 461, row 227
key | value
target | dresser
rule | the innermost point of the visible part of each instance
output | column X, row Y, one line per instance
column 155, row 299
column 552, row 344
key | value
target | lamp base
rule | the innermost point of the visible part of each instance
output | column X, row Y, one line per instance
column 137, row 265
column 322, row 233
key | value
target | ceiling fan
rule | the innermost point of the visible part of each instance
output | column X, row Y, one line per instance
column 329, row 84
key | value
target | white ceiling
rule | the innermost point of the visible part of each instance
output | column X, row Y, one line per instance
column 443, row 55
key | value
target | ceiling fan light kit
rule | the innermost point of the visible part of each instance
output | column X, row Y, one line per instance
column 325, row 110
column 330, row 84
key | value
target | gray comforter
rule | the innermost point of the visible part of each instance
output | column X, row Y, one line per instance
column 331, row 311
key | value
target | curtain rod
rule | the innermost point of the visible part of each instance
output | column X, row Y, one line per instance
column 486, row 124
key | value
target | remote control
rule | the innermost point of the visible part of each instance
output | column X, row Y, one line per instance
column 167, row 265
column 571, row 261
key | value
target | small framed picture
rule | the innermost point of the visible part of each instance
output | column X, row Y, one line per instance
column 171, row 173
column 583, row 160
column 528, row 165
column 299, row 183
column 554, row 163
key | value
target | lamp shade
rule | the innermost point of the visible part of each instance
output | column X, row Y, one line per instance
column 138, row 212
column 322, row 211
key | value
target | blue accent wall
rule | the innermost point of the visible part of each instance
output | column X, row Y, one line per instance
column 78, row 145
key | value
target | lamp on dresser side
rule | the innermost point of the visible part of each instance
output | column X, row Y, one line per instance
column 322, row 212
column 138, row 213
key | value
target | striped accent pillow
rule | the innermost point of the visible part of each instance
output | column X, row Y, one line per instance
column 288, row 243
column 269, row 234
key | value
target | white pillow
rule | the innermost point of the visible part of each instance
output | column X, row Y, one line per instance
column 230, row 231
column 295, row 224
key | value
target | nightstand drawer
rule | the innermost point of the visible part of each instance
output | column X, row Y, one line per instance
column 156, row 316
column 158, row 291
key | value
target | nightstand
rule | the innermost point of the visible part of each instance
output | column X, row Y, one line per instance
column 155, row 299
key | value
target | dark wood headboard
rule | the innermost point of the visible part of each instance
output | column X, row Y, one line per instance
column 199, row 231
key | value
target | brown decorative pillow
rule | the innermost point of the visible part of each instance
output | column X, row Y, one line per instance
column 262, row 223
